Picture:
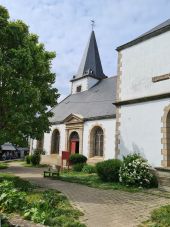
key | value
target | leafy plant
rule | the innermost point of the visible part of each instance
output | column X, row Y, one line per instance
column 35, row 158
column 109, row 170
column 26, row 82
column 39, row 151
column 162, row 216
column 89, row 169
column 11, row 199
column 48, row 207
column 135, row 171
column 77, row 158
column 78, row 167
column 28, row 159
column 3, row 165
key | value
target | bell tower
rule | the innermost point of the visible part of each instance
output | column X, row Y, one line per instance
column 90, row 70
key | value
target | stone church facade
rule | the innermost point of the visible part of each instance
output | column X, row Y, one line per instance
column 106, row 118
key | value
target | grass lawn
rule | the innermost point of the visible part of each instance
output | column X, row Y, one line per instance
column 92, row 180
column 24, row 164
column 48, row 207
column 159, row 218
column 3, row 165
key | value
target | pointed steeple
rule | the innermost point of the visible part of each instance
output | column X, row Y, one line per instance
column 90, row 64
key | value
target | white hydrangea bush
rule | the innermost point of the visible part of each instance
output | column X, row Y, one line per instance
column 135, row 171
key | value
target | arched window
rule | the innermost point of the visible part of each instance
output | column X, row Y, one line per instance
column 96, row 141
column 55, row 142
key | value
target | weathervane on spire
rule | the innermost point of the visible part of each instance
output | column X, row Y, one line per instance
column 92, row 24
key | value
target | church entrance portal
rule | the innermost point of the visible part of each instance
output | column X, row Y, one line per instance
column 74, row 143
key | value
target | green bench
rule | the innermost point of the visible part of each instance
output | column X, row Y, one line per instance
column 53, row 172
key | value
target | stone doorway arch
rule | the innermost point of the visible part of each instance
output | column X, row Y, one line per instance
column 166, row 137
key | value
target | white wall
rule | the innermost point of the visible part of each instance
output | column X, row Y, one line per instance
column 140, row 130
column 48, row 137
column 85, row 84
column 108, row 126
column 143, row 61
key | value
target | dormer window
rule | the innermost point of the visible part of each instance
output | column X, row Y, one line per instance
column 78, row 89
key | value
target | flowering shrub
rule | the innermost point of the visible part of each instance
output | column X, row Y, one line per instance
column 135, row 171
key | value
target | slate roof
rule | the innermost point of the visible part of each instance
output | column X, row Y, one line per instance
column 7, row 147
column 159, row 29
column 94, row 103
column 90, row 64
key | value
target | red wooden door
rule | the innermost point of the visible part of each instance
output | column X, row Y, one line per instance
column 73, row 147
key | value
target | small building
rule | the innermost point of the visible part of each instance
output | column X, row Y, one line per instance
column 7, row 151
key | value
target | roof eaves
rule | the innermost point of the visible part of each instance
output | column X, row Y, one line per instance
column 100, row 117
column 95, row 77
column 144, row 37
column 89, row 119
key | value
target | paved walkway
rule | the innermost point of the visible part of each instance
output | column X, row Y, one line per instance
column 102, row 208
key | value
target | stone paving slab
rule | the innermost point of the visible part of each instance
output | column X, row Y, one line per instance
column 102, row 208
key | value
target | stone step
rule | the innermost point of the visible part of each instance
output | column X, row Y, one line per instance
column 164, row 188
column 164, row 178
column 94, row 160
column 164, row 181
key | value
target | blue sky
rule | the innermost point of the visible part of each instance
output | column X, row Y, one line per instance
column 64, row 27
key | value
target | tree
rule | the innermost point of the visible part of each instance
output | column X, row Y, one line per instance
column 26, row 83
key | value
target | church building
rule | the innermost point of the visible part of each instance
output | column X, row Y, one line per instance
column 107, row 118
column 84, row 122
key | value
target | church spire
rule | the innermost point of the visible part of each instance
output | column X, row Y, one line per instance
column 90, row 64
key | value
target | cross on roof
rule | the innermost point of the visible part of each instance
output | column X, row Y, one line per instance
column 92, row 24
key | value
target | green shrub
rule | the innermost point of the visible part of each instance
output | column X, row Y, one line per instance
column 161, row 216
column 77, row 158
column 136, row 171
column 78, row 167
column 11, row 199
column 109, row 170
column 89, row 169
column 28, row 159
column 154, row 181
column 3, row 165
column 39, row 151
column 35, row 159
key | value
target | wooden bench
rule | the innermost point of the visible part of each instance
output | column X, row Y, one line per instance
column 53, row 172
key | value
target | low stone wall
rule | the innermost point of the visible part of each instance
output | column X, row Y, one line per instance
column 52, row 159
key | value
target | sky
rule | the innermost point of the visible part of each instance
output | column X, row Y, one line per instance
column 64, row 27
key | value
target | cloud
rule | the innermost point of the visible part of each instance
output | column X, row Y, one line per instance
column 64, row 27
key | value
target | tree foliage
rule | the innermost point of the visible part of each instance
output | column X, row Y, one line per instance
column 26, row 83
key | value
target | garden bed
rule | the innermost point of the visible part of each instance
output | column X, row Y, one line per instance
column 92, row 180
column 3, row 165
column 48, row 207
column 159, row 218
